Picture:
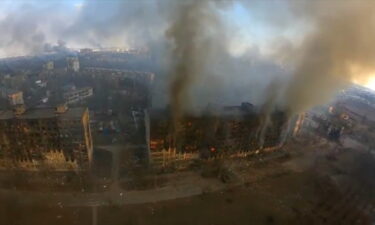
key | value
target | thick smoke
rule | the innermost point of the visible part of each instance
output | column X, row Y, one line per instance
column 20, row 34
column 193, row 33
column 339, row 49
column 125, row 23
column 29, row 27
column 266, row 110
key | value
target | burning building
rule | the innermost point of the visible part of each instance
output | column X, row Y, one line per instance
column 224, row 131
column 55, row 138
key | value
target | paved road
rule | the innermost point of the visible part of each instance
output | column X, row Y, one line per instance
column 191, row 186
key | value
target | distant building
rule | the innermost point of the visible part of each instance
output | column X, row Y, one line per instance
column 69, row 87
column 136, row 85
column 78, row 95
column 49, row 65
column 54, row 138
column 120, row 75
column 15, row 98
column 6, row 91
column 85, row 50
column 355, row 111
column 41, row 83
column 73, row 64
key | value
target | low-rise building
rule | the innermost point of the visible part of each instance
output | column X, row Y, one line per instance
column 78, row 95
column 41, row 83
column 15, row 98
column 49, row 65
column 73, row 64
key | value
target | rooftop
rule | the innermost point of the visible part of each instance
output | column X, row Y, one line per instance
column 78, row 90
column 44, row 113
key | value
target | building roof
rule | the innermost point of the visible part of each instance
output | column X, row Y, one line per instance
column 44, row 113
column 14, row 92
column 237, row 111
column 360, row 109
column 72, row 92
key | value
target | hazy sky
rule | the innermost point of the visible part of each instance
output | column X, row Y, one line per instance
column 251, row 25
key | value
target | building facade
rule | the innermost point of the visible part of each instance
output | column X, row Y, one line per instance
column 50, row 65
column 73, row 64
column 224, row 131
column 80, row 94
column 53, row 138
column 15, row 98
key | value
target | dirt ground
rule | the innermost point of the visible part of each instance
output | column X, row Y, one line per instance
column 251, row 204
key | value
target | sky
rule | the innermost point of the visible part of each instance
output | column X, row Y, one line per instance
column 251, row 30
column 255, row 29
column 251, row 27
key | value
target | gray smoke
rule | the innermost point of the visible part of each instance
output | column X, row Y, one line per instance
column 21, row 34
column 124, row 23
column 194, row 33
column 339, row 49
column 29, row 27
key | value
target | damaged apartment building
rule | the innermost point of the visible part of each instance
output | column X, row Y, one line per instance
column 214, row 132
column 134, row 85
column 45, row 138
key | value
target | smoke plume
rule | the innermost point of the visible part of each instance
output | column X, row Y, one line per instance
column 124, row 23
column 339, row 49
column 192, row 32
column 27, row 28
